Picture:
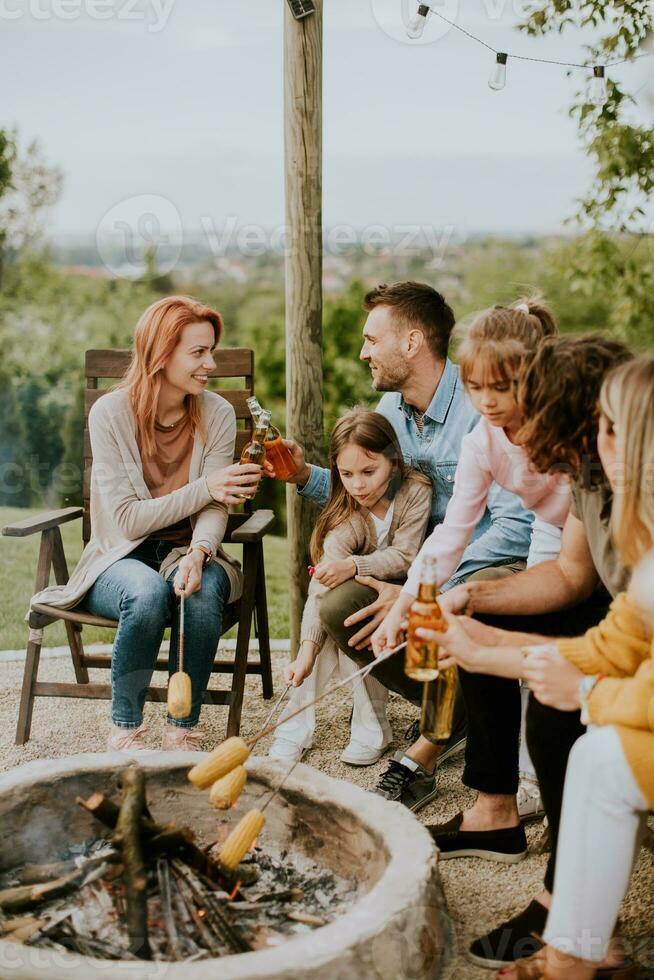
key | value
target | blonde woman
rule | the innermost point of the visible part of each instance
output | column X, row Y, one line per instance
column 162, row 480
column 608, row 674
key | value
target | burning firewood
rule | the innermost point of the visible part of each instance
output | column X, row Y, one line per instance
column 127, row 836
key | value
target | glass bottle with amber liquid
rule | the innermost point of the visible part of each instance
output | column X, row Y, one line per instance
column 438, row 698
column 278, row 455
column 255, row 451
column 421, row 661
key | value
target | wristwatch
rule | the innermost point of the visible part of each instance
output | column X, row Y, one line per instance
column 207, row 552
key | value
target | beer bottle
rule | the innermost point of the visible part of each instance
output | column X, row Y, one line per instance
column 255, row 450
column 278, row 455
column 438, row 699
column 421, row 661
column 255, row 408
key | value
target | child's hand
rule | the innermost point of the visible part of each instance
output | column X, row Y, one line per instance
column 333, row 573
column 303, row 664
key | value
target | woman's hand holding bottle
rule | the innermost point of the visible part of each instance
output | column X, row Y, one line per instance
column 234, row 483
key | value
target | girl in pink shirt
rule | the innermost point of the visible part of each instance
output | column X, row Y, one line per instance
column 490, row 356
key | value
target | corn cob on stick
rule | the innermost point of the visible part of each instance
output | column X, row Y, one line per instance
column 241, row 839
column 179, row 695
column 179, row 685
column 225, row 792
column 231, row 753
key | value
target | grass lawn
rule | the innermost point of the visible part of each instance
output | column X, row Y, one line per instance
column 18, row 557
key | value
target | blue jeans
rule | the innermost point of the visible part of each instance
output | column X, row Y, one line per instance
column 133, row 592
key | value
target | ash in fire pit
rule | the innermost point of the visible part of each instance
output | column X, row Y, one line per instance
column 150, row 892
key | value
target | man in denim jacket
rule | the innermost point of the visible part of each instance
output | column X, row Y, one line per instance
column 405, row 343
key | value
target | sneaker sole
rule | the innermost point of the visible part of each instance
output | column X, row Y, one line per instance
column 453, row 751
column 486, row 963
column 474, row 852
column 418, row 805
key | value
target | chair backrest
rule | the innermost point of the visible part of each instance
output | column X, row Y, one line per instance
column 102, row 365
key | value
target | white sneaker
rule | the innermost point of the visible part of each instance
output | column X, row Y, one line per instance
column 358, row 754
column 287, row 751
column 530, row 802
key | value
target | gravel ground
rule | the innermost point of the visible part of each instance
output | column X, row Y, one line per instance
column 480, row 894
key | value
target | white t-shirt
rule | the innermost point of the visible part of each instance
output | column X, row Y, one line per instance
column 382, row 526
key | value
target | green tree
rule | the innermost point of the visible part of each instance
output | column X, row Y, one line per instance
column 616, row 251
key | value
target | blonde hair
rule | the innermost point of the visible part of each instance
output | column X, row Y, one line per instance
column 627, row 401
column 500, row 337
column 373, row 433
column 156, row 336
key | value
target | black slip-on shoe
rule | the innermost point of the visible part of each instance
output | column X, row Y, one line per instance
column 513, row 940
column 402, row 784
column 453, row 747
column 507, row 846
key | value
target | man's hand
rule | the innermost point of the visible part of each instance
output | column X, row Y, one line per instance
column 457, row 600
column 302, row 469
column 188, row 577
column 553, row 679
column 333, row 573
column 375, row 612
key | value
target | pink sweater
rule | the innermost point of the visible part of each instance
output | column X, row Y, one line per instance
column 488, row 455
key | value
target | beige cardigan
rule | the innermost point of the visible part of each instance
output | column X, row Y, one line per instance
column 356, row 538
column 123, row 512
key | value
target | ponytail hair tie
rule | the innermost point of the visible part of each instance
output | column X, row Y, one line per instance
column 523, row 308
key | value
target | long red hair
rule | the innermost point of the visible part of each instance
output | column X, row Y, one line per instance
column 156, row 336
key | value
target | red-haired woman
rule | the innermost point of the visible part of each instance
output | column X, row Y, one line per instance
column 161, row 483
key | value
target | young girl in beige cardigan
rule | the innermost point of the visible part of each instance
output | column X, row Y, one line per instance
column 373, row 524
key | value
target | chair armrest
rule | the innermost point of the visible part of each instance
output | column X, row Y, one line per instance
column 42, row 522
column 254, row 528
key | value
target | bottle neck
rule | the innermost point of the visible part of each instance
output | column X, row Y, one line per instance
column 428, row 592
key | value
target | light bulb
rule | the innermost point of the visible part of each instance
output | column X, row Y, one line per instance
column 599, row 90
column 497, row 81
column 417, row 24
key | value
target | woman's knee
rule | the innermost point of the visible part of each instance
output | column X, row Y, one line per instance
column 147, row 596
column 213, row 593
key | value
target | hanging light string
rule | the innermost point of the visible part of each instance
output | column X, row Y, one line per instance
column 599, row 91
column 519, row 57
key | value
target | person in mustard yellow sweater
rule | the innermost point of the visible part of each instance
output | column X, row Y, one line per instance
column 608, row 675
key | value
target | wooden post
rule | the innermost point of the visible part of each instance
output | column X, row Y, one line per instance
column 303, row 169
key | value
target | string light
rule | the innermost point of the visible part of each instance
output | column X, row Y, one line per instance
column 417, row 24
column 599, row 89
column 497, row 81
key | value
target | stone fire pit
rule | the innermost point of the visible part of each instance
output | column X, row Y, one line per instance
column 397, row 927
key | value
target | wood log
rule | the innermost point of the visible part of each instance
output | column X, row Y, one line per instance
column 23, row 897
column 127, row 836
column 160, row 839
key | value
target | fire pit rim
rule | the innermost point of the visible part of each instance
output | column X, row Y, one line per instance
column 407, row 869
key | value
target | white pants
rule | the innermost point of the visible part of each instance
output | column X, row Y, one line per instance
column 603, row 821
column 545, row 546
column 369, row 724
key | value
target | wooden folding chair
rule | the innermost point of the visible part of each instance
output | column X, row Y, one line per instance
column 247, row 530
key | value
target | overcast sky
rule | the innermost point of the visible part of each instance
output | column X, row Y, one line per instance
column 181, row 100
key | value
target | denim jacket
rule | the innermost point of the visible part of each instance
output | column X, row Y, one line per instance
column 504, row 532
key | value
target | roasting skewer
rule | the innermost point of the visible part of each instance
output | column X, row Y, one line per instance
column 235, row 751
column 179, row 684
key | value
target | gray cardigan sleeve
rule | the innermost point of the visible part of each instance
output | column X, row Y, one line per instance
column 135, row 518
column 395, row 560
column 338, row 544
